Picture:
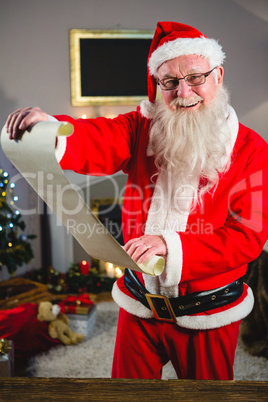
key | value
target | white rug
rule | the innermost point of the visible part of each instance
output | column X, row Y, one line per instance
column 93, row 357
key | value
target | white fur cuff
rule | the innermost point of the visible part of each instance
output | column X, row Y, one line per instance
column 172, row 272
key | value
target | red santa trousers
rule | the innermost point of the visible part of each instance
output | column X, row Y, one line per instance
column 144, row 346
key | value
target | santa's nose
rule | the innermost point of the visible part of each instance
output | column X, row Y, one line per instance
column 184, row 90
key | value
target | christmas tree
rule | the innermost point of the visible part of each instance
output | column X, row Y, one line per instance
column 15, row 249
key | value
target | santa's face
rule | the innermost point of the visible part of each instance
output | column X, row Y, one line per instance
column 198, row 95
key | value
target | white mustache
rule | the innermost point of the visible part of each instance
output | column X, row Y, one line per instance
column 184, row 102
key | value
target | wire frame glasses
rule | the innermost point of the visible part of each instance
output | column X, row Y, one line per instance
column 192, row 80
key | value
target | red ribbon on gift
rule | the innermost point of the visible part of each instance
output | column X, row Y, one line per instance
column 72, row 302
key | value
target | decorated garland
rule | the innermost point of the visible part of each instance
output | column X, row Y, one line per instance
column 77, row 280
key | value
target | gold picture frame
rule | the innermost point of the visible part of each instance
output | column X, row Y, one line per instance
column 93, row 52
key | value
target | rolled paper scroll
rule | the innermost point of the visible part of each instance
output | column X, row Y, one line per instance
column 34, row 157
column 153, row 266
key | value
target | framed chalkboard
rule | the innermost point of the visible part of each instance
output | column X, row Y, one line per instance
column 109, row 67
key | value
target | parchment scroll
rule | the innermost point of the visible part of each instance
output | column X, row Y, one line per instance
column 34, row 157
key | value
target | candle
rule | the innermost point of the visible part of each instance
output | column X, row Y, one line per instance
column 84, row 267
column 110, row 270
column 118, row 272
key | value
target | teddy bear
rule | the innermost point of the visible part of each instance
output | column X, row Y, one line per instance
column 58, row 327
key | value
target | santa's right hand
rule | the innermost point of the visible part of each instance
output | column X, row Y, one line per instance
column 21, row 119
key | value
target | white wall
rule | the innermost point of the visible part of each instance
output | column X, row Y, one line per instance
column 34, row 66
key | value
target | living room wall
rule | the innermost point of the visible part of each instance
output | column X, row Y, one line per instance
column 35, row 67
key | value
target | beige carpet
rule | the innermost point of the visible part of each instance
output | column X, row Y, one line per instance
column 93, row 357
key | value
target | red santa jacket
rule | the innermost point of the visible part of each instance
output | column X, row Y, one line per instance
column 207, row 248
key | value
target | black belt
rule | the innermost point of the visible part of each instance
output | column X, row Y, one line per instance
column 167, row 309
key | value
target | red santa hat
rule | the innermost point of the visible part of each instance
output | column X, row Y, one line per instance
column 172, row 39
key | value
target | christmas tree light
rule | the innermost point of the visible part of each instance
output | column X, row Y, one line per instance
column 15, row 249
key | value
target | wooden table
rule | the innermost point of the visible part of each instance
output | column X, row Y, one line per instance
column 68, row 389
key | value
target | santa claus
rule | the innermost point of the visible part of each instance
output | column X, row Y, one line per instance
column 196, row 194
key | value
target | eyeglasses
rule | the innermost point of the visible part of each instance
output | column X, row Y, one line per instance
column 192, row 80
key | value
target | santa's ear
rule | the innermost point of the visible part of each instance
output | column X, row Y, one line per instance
column 220, row 71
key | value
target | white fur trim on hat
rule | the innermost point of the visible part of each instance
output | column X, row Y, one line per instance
column 147, row 109
column 206, row 47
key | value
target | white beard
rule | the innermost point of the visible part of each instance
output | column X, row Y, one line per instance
column 190, row 148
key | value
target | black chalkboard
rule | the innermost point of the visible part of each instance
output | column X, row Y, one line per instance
column 114, row 67
column 109, row 67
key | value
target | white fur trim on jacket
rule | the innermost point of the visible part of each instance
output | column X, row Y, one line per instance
column 132, row 306
column 197, row 322
column 221, row 319
column 205, row 47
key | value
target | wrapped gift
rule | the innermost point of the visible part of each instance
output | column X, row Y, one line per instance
column 83, row 323
column 6, row 358
column 76, row 304
column 17, row 291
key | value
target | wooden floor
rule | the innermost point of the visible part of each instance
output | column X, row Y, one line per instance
column 68, row 389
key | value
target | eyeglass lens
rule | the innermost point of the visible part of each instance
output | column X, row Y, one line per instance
column 190, row 79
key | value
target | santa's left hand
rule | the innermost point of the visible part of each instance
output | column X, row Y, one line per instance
column 144, row 247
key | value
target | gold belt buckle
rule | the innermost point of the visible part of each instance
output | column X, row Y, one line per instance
column 165, row 307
